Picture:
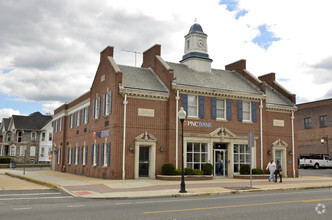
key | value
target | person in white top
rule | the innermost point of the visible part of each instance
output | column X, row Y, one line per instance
column 271, row 167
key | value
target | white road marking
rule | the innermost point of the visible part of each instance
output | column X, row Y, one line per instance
column 31, row 194
column 73, row 206
column 17, row 209
column 31, row 198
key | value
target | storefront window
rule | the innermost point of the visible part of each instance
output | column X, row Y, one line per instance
column 241, row 156
column 197, row 155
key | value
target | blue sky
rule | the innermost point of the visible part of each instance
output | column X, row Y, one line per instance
column 54, row 57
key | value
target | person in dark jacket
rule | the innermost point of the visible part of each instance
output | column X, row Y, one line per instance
column 278, row 172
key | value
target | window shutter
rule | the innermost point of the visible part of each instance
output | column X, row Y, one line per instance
column 82, row 150
column 93, row 108
column 239, row 110
column 185, row 102
column 102, row 155
column 254, row 111
column 97, row 155
column 86, row 154
column 87, row 112
column 104, row 104
column 108, row 154
column 229, row 109
column 68, row 156
column 201, row 106
column 82, row 115
column 213, row 108
column 91, row 154
column 98, row 103
column 110, row 102
column 78, row 155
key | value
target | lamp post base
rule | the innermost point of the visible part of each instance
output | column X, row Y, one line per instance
column 183, row 188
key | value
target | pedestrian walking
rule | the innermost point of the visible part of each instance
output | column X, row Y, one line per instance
column 278, row 172
column 271, row 167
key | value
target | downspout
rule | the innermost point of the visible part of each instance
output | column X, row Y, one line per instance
column 261, row 129
column 124, row 137
column 293, row 145
column 176, row 129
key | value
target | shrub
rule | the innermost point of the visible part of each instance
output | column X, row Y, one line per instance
column 257, row 171
column 188, row 171
column 168, row 169
column 198, row 172
column 5, row 160
column 207, row 169
column 245, row 169
column 178, row 171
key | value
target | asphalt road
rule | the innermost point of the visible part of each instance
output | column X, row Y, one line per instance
column 297, row 204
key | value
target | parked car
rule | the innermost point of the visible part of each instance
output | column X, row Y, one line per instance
column 315, row 161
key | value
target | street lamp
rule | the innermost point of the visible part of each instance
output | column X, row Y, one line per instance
column 322, row 140
column 182, row 115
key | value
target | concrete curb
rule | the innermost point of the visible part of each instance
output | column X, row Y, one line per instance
column 51, row 185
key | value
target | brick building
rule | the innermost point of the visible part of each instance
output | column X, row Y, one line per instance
column 314, row 120
column 126, row 126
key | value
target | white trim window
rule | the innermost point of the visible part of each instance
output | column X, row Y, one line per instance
column 32, row 151
column 43, row 136
column 69, row 155
column 221, row 108
column 50, row 136
column 9, row 136
column 78, row 117
column 105, row 155
column 76, row 155
column 197, row 155
column 22, row 149
column 84, row 155
column 59, row 156
column 19, row 136
column 192, row 106
column 241, row 156
column 33, row 136
column 246, row 111
column 95, row 155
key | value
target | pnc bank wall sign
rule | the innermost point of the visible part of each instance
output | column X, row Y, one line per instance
column 197, row 124
column 101, row 134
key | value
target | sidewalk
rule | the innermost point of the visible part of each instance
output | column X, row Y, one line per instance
column 87, row 187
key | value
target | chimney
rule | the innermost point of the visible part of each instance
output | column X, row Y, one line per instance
column 108, row 51
column 150, row 55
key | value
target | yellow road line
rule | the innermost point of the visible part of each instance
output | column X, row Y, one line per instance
column 234, row 206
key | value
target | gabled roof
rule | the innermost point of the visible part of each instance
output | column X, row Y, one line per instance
column 34, row 121
column 141, row 79
column 220, row 80
column 5, row 123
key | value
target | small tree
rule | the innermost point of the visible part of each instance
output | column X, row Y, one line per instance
column 168, row 169
column 207, row 169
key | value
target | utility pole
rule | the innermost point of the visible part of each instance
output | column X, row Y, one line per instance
column 131, row 51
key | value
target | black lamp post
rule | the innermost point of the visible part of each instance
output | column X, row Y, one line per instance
column 182, row 116
column 322, row 140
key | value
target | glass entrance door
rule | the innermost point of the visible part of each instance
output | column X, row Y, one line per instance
column 220, row 162
column 143, row 161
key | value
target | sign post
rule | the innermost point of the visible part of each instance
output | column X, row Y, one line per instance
column 251, row 145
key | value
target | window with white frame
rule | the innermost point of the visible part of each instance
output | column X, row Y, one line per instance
column 42, row 152
column 9, row 136
column 241, row 156
column 246, row 111
column 221, row 108
column 95, row 155
column 105, row 155
column 43, row 136
column 76, row 155
column 49, row 136
column 59, row 156
column 84, row 155
column 13, row 150
column 32, row 151
column 69, row 155
column 197, row 155
column 97, row 107
column 86, row 115
column 19, row 136
column 33, row 136
column 78, row 117
column 22, row 149
column 192, row 106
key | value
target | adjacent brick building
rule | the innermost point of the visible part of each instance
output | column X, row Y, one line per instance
column 314, row 120
column 126, row 126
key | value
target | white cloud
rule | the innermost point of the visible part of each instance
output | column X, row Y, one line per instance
column 7, row 112
column 56, row 52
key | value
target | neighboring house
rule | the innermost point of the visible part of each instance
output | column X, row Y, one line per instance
column 314, row 127
column 45, row 143
column 22, row 137
column 126, row 126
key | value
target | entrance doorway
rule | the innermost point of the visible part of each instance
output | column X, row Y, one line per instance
column 144, row 161
column 220, row 160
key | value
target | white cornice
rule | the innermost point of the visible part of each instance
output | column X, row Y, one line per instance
column 213, row 93
column 133, row 93
column 282, row 109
